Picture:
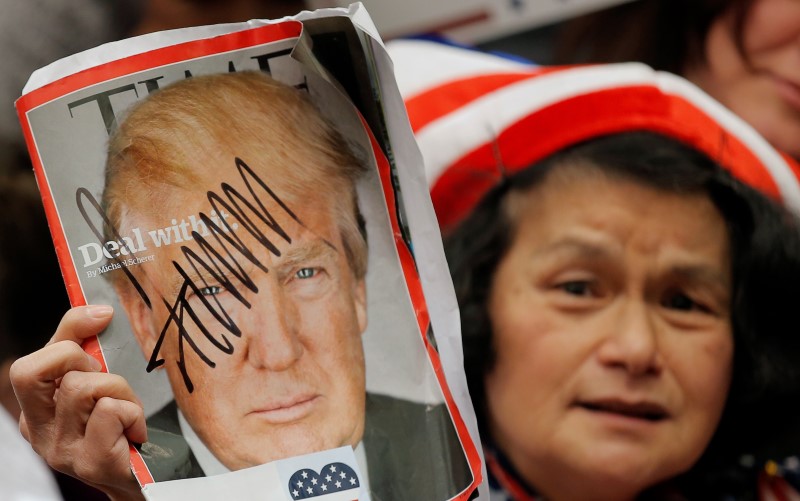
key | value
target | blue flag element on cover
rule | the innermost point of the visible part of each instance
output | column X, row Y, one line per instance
column 334, row 477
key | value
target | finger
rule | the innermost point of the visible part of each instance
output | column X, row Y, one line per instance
column 122, row 417
column 34, row 377
column 112, row 423
column 23, row 428
column 82, row 322
column 77, row 397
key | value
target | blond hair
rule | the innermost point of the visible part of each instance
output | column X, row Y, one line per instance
column 161, row 136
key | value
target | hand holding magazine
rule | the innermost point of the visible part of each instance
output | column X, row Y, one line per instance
column 250, row 200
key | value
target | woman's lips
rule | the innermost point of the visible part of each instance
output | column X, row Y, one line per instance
column 639, row 410
column 288, row 410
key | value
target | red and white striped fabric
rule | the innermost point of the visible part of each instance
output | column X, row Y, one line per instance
column 478, row 117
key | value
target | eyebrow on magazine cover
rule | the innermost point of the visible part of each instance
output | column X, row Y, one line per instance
column 203, row 272
column 317, row 252
column 218, row 250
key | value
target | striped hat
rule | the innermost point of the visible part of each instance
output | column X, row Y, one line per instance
column 478, row 118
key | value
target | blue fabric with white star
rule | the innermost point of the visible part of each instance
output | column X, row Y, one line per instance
column 335, row 477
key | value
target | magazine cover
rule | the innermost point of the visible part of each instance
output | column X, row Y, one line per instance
column 250, row 199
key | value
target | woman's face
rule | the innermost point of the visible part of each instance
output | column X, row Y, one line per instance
column 762, row 85
column 611, row 324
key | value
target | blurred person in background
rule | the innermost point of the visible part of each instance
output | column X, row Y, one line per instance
column 744, row 53
column 160, row 15
column 33, row 34
column 32, row 293
column 625, row 277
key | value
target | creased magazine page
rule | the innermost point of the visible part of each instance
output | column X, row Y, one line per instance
column 250, row 200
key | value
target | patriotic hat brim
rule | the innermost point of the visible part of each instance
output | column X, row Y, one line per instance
column 477, row 119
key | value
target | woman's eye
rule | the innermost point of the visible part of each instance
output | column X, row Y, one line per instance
column 682, row 302
column 306, row 273
column 576, row 287
column 212, row 290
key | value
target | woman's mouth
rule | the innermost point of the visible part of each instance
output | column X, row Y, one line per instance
column 642, row 410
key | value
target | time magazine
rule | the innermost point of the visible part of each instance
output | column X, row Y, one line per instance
column 250, row 199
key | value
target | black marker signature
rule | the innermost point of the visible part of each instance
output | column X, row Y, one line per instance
column 217, row 258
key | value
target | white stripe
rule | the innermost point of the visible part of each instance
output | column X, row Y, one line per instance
column 448, row 138
column 421, row 65
column 781, row 173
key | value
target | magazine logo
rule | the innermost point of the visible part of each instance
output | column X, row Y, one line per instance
column 93, row 253
column 109, row 115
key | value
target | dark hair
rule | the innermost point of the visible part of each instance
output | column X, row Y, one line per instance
column 765, row 256
column 30, row 279
column 665, row 34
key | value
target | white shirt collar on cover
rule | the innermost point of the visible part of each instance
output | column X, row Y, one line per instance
column 212, row 466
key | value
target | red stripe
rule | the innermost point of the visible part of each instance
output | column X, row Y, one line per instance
column 573, row 120
column 419, row 304
column 442, row 100
column 54, row 222
column 159, row 57
column 792, row 163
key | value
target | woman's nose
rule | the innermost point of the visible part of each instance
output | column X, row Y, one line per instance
column 631, row 340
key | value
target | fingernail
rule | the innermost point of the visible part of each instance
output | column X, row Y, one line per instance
column 96, row 365
column 99, row 311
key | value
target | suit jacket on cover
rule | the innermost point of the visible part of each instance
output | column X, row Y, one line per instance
column 413, row 452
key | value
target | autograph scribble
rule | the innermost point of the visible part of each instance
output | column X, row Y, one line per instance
column 219, row 258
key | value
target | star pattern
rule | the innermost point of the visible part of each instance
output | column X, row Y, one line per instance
column 336, row 477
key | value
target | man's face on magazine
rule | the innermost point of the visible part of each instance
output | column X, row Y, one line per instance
column 294, row 381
